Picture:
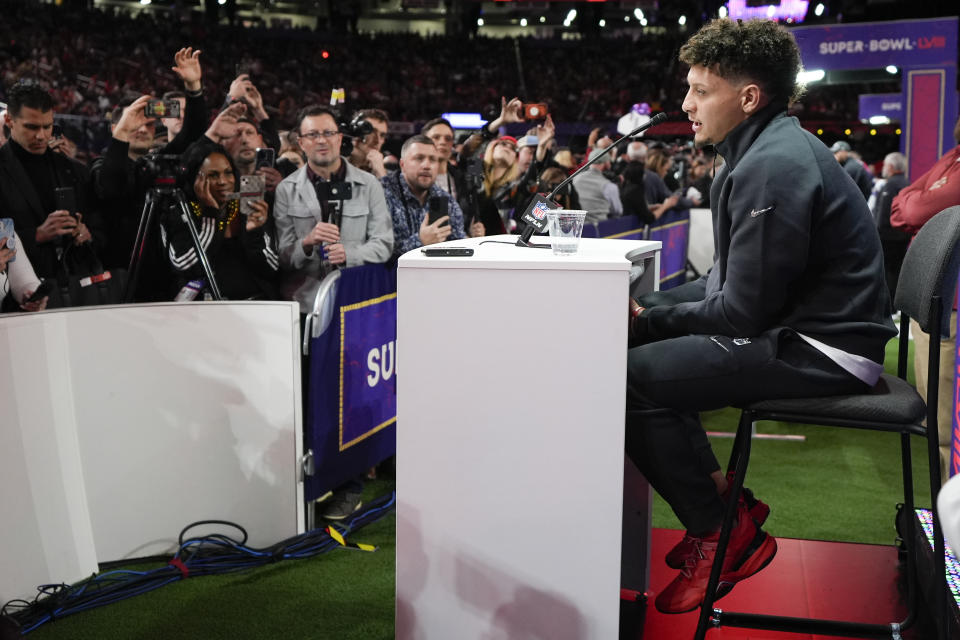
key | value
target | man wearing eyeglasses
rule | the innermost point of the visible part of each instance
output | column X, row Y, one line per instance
column 367, row 154
column 319, row 230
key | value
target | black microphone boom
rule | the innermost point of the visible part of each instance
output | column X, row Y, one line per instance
column 652, row 122
column 535, row 213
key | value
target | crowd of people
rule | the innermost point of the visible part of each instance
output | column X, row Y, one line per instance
column 488, row 177
column 93, row 59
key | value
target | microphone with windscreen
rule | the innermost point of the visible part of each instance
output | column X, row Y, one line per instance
column 535, row 214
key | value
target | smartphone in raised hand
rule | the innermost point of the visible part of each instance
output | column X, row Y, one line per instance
column 437, row 207
column 65, row 198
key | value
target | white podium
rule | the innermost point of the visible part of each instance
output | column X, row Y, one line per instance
column 510, row 463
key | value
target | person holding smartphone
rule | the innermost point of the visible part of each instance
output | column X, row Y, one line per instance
column 18, row 279
column 422, row 212
column 240, row 248
column 30, row 174
column 252, row 156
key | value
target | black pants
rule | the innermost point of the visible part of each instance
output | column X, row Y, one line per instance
column 700, row 373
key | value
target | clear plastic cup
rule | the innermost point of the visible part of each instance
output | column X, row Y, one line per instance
column 565, row 227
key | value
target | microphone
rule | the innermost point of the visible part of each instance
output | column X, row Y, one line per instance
column 535, row 215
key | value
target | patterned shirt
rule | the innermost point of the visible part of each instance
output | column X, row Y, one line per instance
column 408, row 213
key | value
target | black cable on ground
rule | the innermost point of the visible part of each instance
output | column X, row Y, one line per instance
column 212, row 554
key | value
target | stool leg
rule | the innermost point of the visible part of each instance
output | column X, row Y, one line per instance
column 909, row 530
column 739, row 458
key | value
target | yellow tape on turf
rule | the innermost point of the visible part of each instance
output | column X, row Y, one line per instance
column 333, row 533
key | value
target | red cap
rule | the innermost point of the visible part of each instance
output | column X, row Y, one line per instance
column 508, row 139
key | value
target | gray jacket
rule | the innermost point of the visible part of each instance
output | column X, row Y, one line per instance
column 366, row 230
column 795, row 243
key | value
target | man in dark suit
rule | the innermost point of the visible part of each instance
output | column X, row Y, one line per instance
column 31, row 172
column 843, row 153
column 893, row 241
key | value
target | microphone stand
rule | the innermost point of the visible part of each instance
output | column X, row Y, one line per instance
column 524, row 240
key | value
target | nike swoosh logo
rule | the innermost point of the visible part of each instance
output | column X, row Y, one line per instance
column 756, row 212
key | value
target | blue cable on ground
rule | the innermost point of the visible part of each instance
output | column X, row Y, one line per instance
column 209, row 555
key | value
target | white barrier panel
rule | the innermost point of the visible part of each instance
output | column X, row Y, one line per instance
column 182, row 412
column 700, row 251
column 45, row 532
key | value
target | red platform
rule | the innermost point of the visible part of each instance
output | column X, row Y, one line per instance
column 807, row 578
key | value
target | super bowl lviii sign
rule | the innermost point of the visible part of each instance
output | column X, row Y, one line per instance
column 923, row 51
column 368, row 367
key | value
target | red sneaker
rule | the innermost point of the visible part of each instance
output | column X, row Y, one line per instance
column 758, row 509
column 749, row 551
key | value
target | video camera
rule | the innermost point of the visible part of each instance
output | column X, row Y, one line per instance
column 163, row 169
column 356, row 129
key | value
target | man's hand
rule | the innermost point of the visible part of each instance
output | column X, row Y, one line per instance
column 434, row 233
column 64, row 146
column 335, row 253
column 271, row 177
column 511, row 111
column 258, row 216
column 242, row 88
column 132, row 118
column 593, row 137
column 36, row 305
column 477, row 230
column 322, row 232
column 636, row 326
column 186, row 64
column 671, row 202
column 375, row 162
column 224, row 126
column 81, row 234
column 58, row 223
column 6, row 255
column 545, row 134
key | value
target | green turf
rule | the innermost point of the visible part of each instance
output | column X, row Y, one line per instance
column 840, row 484
column 342, row 595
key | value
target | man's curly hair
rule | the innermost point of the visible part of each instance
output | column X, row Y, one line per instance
column 760, row 51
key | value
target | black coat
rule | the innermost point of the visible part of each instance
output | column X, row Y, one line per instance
column 796, row 247
column 20, row 201
column 121, row 185
column 888, row 192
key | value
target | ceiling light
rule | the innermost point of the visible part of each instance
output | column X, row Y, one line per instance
column 814, row 75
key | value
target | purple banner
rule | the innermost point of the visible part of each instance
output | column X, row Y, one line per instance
column 881, row 104
column 673, row 230
column 351, row 403
column 874, row 45
column 368, row 366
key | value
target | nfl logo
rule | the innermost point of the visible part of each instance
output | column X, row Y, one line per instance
column 540, row 210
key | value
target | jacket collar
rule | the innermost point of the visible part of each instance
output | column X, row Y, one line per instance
column 742, row 136
column 352, row 174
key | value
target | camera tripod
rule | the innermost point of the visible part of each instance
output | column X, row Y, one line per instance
column 165, row 192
